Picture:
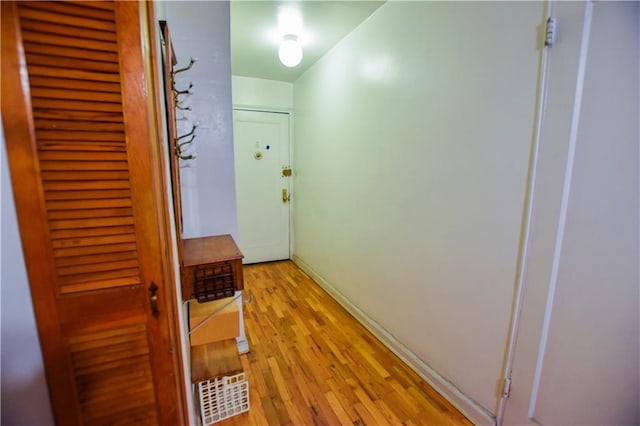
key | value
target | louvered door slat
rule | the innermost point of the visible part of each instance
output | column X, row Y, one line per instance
column 76, row 155
column 88, row 204
column 85, row 95
column 97, row 148
column 100, row 219
column 88, row 195
column 68, row 15
column 80, row 137
column 92, row 211
column 81, row 251
column 47, row 89
column 94, row 267
column 67, row 52
column 92, row 241
column 64, row 30
column 84, row 44
column 78, row 261
column 83, row 165
column 86, row 185
column 75, row 74
column 68, row 107
column 82, row 176
column 97, row 10
column 93, row 126
column 63, row 83
column 103, row 230
column 81, row 64
column 102, row 279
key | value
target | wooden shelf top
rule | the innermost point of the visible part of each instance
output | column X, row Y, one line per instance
column 203, row 250
column 214, row 360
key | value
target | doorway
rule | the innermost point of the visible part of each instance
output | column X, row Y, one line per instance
column 577, row 349
column 263, row 174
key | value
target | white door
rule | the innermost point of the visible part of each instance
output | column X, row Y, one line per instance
column 577, row 355
column 261, row 145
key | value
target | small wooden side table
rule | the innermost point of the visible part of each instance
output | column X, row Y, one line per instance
column 211, row 268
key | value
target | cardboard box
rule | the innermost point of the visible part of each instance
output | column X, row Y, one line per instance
column 224, row 325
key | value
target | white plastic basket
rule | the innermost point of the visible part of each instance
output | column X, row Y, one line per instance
column 223, row 397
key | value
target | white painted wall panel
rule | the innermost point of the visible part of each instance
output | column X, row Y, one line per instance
column 263, row 94
column 411, row 151
column 201, row 29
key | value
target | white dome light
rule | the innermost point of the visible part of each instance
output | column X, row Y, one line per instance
column 290, row 51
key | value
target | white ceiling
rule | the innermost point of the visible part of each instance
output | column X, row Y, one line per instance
column 255, row 39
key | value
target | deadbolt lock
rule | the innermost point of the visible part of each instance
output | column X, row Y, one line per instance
column 286, row 171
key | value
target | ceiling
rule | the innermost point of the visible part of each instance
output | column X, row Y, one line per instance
column 255, row 36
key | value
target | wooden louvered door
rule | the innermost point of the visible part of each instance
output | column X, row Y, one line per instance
column 88, row 190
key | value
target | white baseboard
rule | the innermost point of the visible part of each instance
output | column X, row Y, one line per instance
column 467, row 406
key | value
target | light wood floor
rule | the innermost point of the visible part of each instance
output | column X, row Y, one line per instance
column 312, row 363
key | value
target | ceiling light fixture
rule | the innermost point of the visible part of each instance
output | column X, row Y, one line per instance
column 290, row 51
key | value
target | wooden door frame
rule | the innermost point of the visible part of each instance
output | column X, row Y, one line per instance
column 171, row 244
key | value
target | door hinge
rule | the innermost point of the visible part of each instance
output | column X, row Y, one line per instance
column 550, row 31
column 506, row 387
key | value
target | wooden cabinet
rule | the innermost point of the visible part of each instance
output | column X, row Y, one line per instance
column 77, row 107
column 211, row 268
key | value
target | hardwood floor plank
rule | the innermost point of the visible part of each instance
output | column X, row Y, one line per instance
column 337, row 408
column 388, row 414
column 312, row 363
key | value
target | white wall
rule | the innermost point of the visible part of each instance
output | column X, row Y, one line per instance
column 201, row 29
column 270, row 95
column 24, row 397
column 411, row 151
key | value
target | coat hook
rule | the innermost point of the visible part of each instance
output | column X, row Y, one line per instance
column 183, row 156
column 186, row 157
column 180, row 107
column 191, row 62
column 191, row 132
column 183, row 92
column 180, row 145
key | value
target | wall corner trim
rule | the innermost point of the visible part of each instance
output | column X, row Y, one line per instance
column 477, row 414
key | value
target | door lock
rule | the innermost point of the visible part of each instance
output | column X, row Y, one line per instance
column 285, row 195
